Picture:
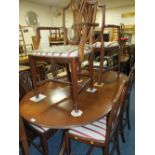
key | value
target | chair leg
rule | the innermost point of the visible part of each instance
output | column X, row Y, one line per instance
column 101, row 66
column 79, row 72
column 74, row 88
column 90, row 59
column 68, row 73
column 128, row 114
column 121, row 129
column 44, row 144
column 23, row 137
column 68, row 146
column 105, row 150
column 117, row 145
column 63, row 144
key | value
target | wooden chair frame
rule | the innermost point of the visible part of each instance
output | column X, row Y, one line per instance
column 112, row 130
column 125, row 114
column 84, row 13
column 102, row 49
column 25, row 84
column 23, row 137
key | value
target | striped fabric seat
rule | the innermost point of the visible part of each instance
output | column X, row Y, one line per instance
column 94, row 131
column 39, row 128
column 61, row 51
column 106, row 44
column 95, row 63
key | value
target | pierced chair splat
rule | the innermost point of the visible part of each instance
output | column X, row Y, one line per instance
column 74, row 51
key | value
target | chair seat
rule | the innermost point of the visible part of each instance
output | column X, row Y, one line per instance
column 94, row 131
column 39, row 128
column 95, row 63
column 106, row 44
column 63, row 51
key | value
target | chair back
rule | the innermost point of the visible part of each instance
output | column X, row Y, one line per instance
column 114, row 117
column 131, row 78
column 25, row 83
column 84, row 16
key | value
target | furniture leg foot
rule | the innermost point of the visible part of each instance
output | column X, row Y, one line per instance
column 91, row 90
column 76, row 113
column 98, row 85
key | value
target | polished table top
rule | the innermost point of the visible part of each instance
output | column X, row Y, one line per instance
column 54, row 110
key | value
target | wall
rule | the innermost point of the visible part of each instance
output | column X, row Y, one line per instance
column 113, row 16
column 50, row 16
column 43, row 11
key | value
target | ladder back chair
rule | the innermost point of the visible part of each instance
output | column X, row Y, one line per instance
column 25, row 85
column 102, row 46
column 102, row 132
column 125, row 114
column 23, row 137
column 74, row 51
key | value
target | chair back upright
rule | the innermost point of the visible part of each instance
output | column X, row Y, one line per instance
column 131, row 78
column 84, row 16
column 114, row 117
column 25, row 83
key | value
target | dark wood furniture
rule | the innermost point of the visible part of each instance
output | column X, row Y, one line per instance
column 84, row 14
column 54, row 110
column 101, row 46
column 56, row 36
column 23, row 137
column 104, row 131
column 125, row 114
column 25, row 85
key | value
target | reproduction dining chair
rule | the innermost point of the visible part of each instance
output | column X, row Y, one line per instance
column 125, row 113
column 109, row 61
column 102, row 132
column 23, row 141
column 77, row 48
column 33, row 130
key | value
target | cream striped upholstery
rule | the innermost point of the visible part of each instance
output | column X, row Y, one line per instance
column 39, row 128
column 94, row 131
column 61, row 51
column 95, row 63
column 106, row 44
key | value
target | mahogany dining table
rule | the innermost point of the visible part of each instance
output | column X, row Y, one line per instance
column 54, row 111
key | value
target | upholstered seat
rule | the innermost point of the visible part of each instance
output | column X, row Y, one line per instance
column 94, row 131
column 106, row 44
column 63, row 51
column 95, row 63
column 39, row 128
column 103, row 132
